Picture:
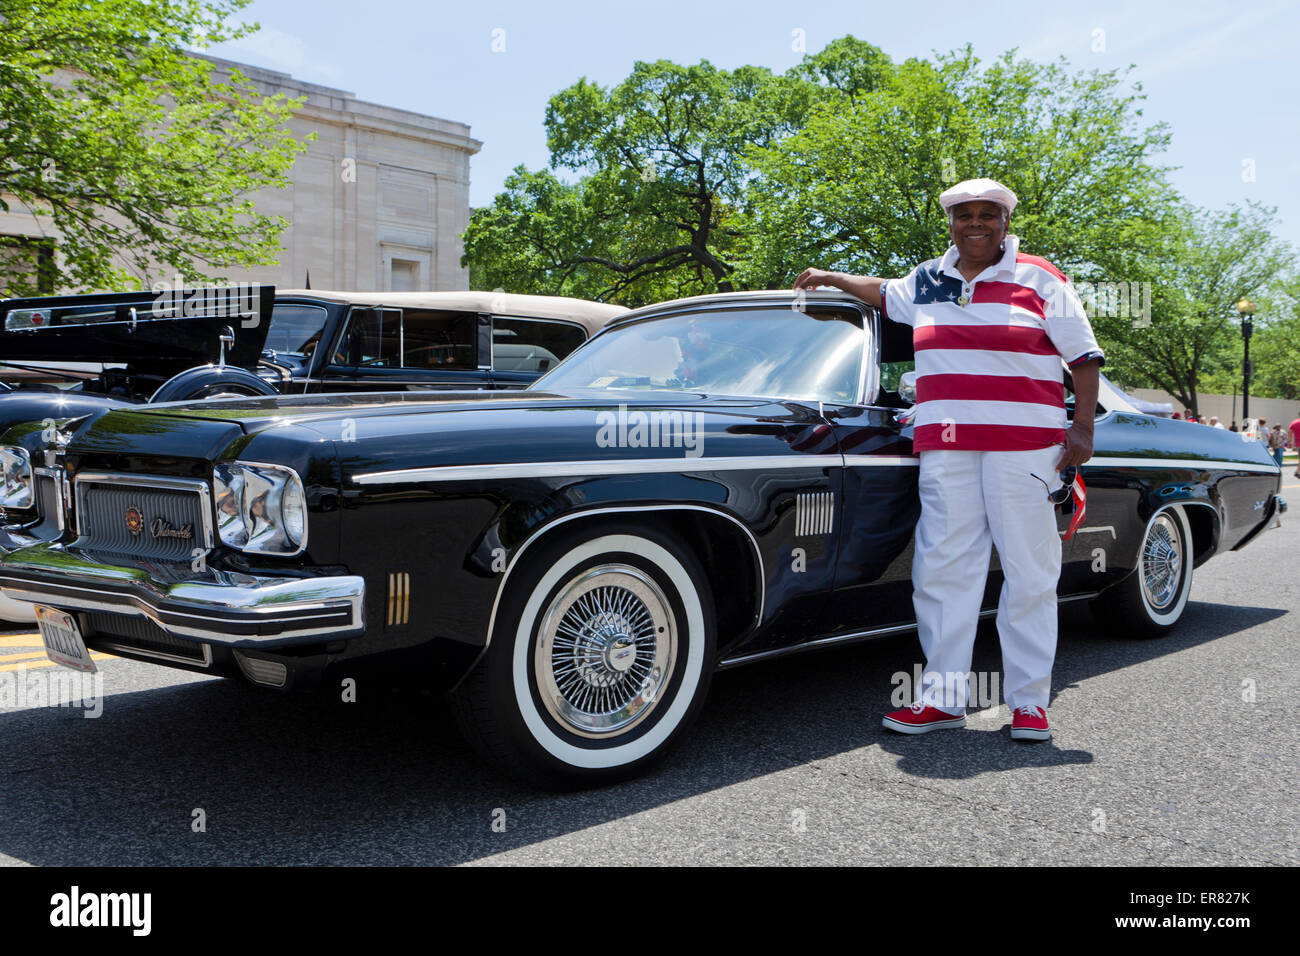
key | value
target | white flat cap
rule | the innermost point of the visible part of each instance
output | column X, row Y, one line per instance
column 972, row 190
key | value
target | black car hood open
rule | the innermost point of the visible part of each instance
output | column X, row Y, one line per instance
column 142, row 329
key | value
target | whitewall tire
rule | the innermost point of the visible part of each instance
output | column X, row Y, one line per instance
column 1151, row 600
column 601, row 656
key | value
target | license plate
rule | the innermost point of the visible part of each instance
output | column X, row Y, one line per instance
column 62, row 637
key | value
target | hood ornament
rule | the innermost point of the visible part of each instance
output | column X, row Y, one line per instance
column 58, row 435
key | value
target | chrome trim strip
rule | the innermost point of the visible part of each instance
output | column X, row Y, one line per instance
column 573, row 469
column 159, row 655
column 1207, row 464
column 761, row 571
column 858, row 636
column 896, row 461
column 146, row 482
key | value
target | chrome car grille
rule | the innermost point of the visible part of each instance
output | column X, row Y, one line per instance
column 150, row 516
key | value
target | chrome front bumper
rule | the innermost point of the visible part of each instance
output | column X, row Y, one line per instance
column 214, row 607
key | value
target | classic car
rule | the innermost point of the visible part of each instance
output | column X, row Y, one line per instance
column 116, row 349
column 131, row 347
column 707, row 482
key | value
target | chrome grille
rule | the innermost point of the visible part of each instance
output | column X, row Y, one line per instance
column 144, row 515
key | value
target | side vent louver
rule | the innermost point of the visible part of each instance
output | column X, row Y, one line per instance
column 399, row 599
column 814, row 513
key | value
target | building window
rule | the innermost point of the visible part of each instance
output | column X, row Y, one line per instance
column 26, row 266
column 405, row 276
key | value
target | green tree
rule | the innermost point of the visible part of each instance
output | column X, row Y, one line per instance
column 1275, row 348
column 693, row 179
column 857, row 187
column 1203, row 263
column 139, row 156
column 653, row 213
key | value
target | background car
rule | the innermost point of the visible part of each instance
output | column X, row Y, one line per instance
column 115, row 349
column 706, row 483
column 348, row 341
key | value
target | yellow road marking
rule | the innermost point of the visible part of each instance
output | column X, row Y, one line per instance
column 18, row 657
column 35, row 664
column 21, row 640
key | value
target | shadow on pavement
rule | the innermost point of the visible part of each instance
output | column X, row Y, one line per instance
column 297, row 780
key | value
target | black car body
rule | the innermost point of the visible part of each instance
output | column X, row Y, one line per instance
column 707, row 482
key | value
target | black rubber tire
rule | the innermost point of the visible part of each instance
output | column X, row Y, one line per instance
column 1126, row 609
column 204, row 382
column 507, row 724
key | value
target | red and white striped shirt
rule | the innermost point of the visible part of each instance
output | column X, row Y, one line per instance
column 988, row 351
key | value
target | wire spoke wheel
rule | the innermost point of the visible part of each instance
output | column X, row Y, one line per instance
column 605, row 651
column 1162, row 562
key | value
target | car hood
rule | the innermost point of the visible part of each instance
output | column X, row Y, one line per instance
column 257, row 414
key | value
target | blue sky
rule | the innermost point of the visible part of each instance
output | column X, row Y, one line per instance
column 1224, row 76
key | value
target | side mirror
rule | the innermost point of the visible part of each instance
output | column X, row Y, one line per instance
column 907, row 387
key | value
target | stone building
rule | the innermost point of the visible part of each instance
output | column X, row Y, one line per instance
column 377, row 202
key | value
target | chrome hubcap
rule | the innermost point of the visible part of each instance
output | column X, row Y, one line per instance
column 1162, row 562
column 605, row 651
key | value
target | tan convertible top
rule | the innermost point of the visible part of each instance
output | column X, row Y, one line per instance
column 591, row 315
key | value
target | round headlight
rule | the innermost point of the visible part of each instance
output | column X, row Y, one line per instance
column 293, row 513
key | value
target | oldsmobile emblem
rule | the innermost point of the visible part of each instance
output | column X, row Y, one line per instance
column 162, row 528
column 134, row 520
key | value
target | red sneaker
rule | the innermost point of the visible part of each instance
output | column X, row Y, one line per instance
column 1029, row 723
column 921, row 719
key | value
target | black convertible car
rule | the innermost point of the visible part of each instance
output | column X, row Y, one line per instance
column 707, row 482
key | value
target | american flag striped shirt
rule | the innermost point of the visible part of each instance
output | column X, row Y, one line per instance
column 989, row 370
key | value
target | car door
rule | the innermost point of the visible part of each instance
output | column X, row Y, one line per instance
column 873, row 574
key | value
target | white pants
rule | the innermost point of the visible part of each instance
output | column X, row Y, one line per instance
column 969, row 501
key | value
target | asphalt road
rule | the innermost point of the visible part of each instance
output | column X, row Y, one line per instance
column 1158, row 758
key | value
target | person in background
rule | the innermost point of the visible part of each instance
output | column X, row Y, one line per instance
column 1214, row 422
column 1177, row 415
column 1277, row 443
column 1295, row 439
column 1232, row 427
column 1261, row 431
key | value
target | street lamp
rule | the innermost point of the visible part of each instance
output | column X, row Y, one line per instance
column 1247, row 309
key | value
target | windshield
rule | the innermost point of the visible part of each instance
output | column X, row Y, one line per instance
column 815, row 355
column 296, row 329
